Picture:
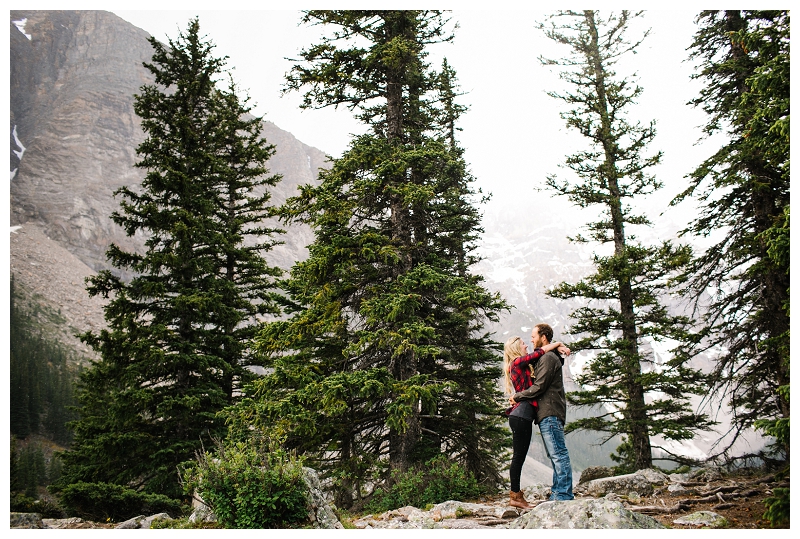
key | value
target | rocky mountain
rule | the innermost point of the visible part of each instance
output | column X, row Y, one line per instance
column 73, row 75
column 74, row 134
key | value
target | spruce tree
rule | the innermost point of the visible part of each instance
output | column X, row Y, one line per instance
column 383, row 361
column 625, row 299
column 743, row 194
column 178, row 343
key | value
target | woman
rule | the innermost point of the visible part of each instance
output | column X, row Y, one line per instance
column 517, row 369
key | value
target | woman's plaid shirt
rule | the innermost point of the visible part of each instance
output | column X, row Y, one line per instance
column 520, row 374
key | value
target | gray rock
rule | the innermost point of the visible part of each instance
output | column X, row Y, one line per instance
column 446, row 515
column 141, row 522
column 148, row 522
column 642, row 482
column 708, row 519
column 202, row 513
column 709, row 473
column 29, row 521
column 461, row 524
column 536, row 492
column 134, row 523
column 456, row 509
column 678, row 477
column 59, row 523
column 676, row 488
column 595, row 472
column 654, row 476
column 321, row 511
column 585, row 513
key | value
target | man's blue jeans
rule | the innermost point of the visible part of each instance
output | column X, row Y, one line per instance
column 553, row 437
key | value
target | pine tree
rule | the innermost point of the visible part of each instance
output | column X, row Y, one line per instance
column 743, row 194
column 625, row 296
column 383, row 361
column 177, row 347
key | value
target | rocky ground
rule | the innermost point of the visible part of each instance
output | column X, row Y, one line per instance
column 671, row 500
column 739, row 499
column 731, row 501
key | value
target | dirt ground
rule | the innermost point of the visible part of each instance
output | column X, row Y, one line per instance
column 740, row 501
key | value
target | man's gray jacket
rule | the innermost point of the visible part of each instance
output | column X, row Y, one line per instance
column 547, row 388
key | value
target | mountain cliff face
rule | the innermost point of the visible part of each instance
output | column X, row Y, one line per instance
column 73, row 140
column 75, row 133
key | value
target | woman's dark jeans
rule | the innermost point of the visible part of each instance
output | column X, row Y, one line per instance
column 522, row 430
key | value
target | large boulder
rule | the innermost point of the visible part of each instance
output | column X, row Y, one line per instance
column 585, row 513
column 643, row 483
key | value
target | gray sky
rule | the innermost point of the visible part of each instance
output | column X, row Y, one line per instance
column 512, row 133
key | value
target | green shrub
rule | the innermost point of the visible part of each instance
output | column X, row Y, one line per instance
column 182, row 524
column 249, row 487
column 25, row 504
column 778, row 508
column 102, row 502
column 438, row 480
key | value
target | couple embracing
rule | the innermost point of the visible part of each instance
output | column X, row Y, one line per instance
column 537, row 399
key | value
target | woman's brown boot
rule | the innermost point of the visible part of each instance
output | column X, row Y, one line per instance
column 518, row 500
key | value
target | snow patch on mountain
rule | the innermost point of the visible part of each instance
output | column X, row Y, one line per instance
column 21, row 150
column 20, row 24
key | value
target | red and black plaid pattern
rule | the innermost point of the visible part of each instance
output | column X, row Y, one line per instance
column 520, row 374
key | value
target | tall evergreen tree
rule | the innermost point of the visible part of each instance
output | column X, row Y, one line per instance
column 625, row 296
column 177, row 347
column 743, row 194
column 383, row 362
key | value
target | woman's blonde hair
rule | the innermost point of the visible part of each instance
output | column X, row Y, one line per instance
column 511, row 351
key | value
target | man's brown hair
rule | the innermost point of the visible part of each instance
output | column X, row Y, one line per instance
column 545, row 331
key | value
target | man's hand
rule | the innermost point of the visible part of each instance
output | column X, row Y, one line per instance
column 511, row 400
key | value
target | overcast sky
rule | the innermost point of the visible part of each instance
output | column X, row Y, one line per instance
column 513, row 134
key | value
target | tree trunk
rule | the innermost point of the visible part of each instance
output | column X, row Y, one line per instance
column 636, row 413
column 402, row 367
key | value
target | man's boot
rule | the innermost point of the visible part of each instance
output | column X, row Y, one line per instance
column 518, row 500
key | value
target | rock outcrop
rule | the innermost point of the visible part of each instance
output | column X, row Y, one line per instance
column 586, row 513
column 643, row 482
column 321, row 513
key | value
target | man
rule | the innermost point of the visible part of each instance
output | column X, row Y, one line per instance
column 548, row 390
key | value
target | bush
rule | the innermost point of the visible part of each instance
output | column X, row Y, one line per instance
column 248, row 486
column 24, row 504
column 102, row 502
column 778, row 508
column 439, row 480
